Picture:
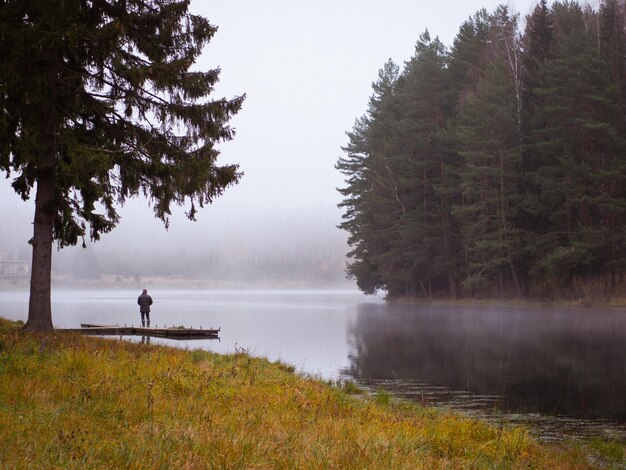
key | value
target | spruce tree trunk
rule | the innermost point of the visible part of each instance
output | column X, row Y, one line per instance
column 516, row 280
column 39, row 310
column 613, row 279
column 452, row 285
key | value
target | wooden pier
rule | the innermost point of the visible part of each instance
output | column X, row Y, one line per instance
column 164, row 332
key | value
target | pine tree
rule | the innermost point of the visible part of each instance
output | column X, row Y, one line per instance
column 612, row 40
column 431, row 237
column 370, row 200
column 98, row 103
column 395, row 169
column 488, row 138
column 538, row 45
column 468, row 56
column 582, row 175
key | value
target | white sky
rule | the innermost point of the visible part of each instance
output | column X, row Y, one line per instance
column 307, row 69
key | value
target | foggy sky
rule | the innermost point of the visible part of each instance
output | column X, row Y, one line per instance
column 307, row 69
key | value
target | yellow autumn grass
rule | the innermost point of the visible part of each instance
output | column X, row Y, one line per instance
column 68, row 401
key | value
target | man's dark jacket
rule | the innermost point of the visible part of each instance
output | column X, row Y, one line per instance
column 144, row 301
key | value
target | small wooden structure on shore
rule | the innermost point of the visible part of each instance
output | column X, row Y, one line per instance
column 164, row 332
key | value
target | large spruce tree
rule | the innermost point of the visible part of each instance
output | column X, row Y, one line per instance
column 612, row 39
column 99, row 103
column 370, row 194
column 397, row 183
column 428, row 240
column 488, row 138
column 488, row 130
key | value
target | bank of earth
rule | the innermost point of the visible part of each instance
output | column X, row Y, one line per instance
column 68, row 401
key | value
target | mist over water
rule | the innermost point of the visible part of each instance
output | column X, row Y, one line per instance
column 561, row 362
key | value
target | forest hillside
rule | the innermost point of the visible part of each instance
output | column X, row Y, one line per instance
column 497, row 166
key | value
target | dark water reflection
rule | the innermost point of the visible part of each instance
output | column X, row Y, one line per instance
column 545, row 362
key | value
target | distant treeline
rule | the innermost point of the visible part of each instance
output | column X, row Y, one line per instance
column 498, row 166
column 320, row 264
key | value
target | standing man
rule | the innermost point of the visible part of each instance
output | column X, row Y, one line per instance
column 144, row 301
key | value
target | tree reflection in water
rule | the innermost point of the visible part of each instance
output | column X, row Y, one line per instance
column 551, row 361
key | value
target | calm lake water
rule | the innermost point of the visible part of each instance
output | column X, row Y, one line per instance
column 562, row 372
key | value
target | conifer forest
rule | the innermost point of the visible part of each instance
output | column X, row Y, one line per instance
column 495, row 167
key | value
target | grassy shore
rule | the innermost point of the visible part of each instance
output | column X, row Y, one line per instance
column 68, row 401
